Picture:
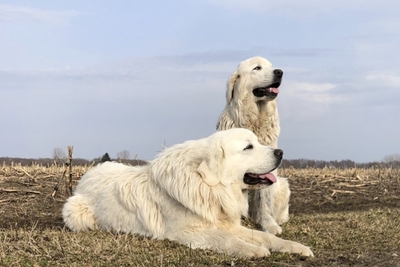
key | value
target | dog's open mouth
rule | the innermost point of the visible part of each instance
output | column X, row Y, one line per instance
column 270, row 91
column 265, row 178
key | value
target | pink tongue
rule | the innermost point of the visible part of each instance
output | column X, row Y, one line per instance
column 274, row 90
column 268, row 176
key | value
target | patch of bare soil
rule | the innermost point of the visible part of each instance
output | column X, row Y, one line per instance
column 314, row 194
column 26, row 203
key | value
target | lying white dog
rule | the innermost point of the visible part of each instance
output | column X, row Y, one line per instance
column 191, row 193
column 251, row 103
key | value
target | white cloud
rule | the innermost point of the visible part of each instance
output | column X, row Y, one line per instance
column 306, row 6
column 389, row 79
column 313, row 92
column 313, row 87
column 384, row 26
column 19, row 13
column 305, row 101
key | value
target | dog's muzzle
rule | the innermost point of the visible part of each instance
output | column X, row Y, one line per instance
column 271, row 91
column 265, row 178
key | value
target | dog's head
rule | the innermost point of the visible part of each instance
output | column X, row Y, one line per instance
column 237, row 158
column 236, row 161
column 255, row 77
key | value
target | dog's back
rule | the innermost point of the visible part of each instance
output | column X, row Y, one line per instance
column 112, row 191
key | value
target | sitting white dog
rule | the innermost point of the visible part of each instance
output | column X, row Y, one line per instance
column 251, row 103
column 191, row 193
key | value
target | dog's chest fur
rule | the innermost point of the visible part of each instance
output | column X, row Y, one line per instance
column 261, row 118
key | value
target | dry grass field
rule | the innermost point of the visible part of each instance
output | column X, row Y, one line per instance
column 349, row 217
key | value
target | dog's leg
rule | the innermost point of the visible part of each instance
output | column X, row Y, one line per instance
column 219, row 240
column 260, row 210
column 266, row 213
column 270, row 206
column 281, row 201
column 271, row 242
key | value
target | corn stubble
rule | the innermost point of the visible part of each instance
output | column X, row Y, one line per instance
column 349, row 217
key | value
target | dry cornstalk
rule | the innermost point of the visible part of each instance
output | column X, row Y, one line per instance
column 6, row 200
column 57, row 186
column 351, row 185
column 70, row 151
column 25, row 172
column 67, row 166
column 19, row 191
column 342, row 191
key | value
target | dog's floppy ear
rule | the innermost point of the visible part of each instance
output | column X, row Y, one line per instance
column 195, row 180
column 192, row 180
column 230, row 85
column 221, row 195
column 210, row 168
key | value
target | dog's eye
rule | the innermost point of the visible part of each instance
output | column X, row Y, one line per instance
column 257, row 68
column 248, row 147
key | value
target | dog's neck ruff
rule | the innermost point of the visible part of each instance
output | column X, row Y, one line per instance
column 262, row 119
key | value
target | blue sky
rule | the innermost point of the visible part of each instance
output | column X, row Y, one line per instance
column 107, row 76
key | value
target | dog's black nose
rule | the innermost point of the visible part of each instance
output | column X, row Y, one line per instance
column 278, row 153
column 278, row 73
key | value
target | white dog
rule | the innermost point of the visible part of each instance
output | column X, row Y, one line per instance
column 191, row 193
column 251, row 103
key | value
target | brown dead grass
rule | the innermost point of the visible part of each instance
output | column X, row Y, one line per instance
column 349, row 217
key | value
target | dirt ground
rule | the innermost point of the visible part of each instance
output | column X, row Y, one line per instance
column 27, row 203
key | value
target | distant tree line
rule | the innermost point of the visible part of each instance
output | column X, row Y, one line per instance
column 342, row 164
column 60, row 157
column 388, row 161
column 75, row 161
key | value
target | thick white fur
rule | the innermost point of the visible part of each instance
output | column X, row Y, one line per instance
column 191, row 193
column 270, row 206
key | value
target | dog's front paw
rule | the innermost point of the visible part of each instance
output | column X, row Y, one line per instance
column 250, row 252
column 259, row 252
column 300, row 249
column 272, row 228
column 303, row 251
column 283, row 218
